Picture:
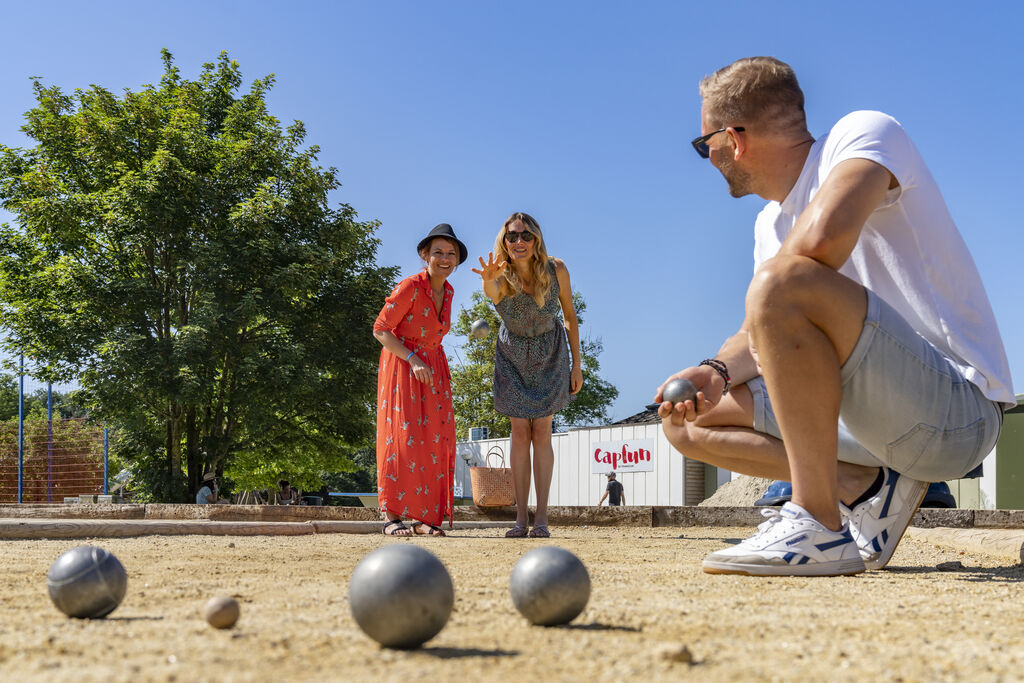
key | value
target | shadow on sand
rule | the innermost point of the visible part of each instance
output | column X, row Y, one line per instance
column 461, row 652
column 1009, row 574
column 595, row 626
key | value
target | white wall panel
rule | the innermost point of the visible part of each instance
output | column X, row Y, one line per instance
column 572, row 481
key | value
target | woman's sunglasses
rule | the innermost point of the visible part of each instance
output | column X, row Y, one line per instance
column 513, row 237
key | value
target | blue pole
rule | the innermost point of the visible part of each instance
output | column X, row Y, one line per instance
column 106, row 461
column 21, row 428
column 49, row 443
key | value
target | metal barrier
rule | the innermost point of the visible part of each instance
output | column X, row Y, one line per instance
column 62, row 458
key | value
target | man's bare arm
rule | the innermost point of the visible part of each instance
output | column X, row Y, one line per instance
column 828, row 229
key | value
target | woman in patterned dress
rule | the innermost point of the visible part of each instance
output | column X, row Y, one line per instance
column 533, row 376
column 415, row 419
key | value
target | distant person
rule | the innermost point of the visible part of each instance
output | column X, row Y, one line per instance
column 534, row 373
column 415, row 418
column 207, row 494
column 869, row 361
column 286, row 495
column 614, row 492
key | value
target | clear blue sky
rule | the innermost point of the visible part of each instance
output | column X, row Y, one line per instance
column 579, row 113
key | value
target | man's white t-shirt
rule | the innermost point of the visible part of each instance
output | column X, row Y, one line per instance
column 203, row 494
column 910, row 252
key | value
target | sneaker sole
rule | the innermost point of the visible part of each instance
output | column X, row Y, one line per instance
column 837, row 568
column 882, row 559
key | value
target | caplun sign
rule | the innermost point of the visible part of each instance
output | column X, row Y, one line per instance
column 635, row 455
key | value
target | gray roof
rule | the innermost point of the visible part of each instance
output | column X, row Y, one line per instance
column 642, row 418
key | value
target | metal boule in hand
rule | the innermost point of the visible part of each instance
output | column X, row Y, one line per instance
column 679, row 390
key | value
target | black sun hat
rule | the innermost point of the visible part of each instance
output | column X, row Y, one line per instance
column 444, row 230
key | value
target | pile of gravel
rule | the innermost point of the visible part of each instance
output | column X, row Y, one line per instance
column 740, row 492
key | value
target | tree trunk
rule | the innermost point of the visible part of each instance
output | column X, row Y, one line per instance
column 194, row 448
column 177, row 491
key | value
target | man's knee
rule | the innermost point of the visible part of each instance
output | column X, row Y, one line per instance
column 780, row 281
column 792, row 289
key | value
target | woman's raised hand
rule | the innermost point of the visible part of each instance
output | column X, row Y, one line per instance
column 490, row 270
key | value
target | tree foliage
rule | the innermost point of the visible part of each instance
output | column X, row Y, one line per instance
column 175, row 254
column 8, row 397
column 473, row 377
column 359, row 477
column 35, row 402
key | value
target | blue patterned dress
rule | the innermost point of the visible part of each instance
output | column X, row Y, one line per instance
column 531, row 361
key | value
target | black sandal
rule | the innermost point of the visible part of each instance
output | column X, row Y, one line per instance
column 517, row 531
column 395, row 525
column 434, row 530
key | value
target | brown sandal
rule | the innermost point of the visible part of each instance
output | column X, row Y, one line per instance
column 516, row 532
column 540, row 531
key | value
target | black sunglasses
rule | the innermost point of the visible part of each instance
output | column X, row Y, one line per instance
column 701, row 144
column 513, row 237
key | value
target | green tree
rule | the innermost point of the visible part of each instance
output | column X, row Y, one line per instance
column 35, row 402
column 359, row 477
column 8, row 397
column 174, row 253
column 473, row 377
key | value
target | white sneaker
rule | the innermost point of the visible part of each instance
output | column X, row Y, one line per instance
column 878, row 523
column 790, row 543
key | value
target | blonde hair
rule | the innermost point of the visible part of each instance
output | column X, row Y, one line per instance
column 509, row 284
column 755, row 91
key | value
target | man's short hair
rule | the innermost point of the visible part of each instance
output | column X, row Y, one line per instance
column 755, row 92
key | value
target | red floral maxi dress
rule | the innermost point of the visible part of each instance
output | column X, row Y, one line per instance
column 415, row 421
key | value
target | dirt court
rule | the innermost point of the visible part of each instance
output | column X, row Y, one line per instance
column 935, row 615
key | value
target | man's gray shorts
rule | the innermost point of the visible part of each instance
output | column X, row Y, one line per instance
column 905, row 405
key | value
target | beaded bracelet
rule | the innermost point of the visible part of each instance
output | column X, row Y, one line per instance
column 719, row 367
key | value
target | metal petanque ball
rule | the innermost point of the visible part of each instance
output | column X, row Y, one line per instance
column 401, row 595
column 479, row 329
column 87, row 582
column 549, row 586
column 679, row 390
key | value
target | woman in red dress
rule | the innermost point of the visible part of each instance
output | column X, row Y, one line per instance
column 415, row 418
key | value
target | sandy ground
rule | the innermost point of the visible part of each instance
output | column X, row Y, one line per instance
column 934, row 615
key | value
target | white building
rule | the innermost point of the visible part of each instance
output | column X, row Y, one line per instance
column 583, row 458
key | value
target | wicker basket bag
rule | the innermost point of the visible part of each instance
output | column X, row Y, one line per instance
column 492, row 486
